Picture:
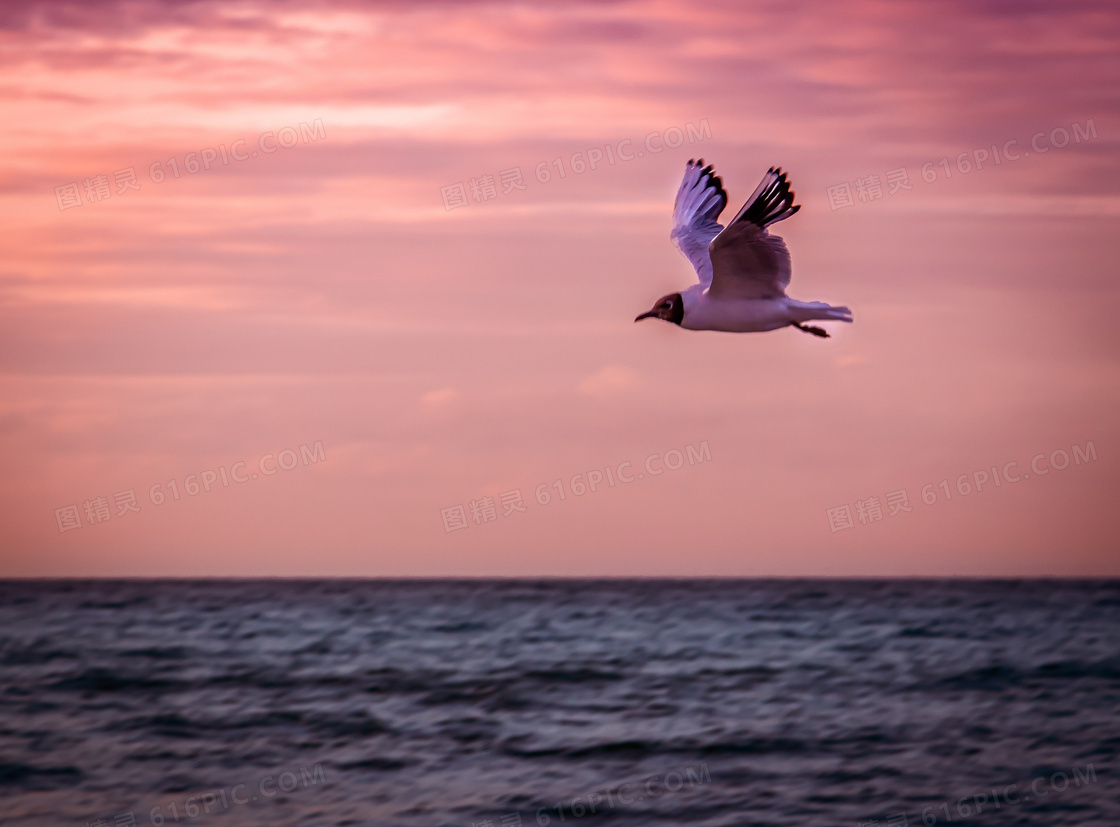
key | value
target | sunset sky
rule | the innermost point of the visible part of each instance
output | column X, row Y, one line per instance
column 327, row 289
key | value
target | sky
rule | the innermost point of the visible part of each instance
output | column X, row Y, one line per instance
column 347, row 289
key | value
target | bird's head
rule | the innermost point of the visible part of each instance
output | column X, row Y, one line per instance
column 670, row 308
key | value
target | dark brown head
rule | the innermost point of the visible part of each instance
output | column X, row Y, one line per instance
column 670, row 308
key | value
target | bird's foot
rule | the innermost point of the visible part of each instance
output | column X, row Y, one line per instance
column 816, row 331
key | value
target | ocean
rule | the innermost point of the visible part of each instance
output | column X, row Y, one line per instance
column 514, row 703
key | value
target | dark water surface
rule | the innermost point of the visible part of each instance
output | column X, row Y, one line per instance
column 481, row 702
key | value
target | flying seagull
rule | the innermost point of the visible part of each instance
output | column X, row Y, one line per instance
column 743, row 269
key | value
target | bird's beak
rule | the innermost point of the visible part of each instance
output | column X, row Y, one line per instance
column 646, row 315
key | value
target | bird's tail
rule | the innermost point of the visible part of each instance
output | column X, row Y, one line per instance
column 818, row 311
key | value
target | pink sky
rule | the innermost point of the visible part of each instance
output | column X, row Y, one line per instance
column 322, row 293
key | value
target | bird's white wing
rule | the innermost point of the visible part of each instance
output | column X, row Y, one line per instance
column 748, row 262
column 700, row 200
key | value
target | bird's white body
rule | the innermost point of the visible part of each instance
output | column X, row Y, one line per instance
column 743, row 271
column 746, row 315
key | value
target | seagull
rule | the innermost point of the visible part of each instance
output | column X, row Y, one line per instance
column 743, row 270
